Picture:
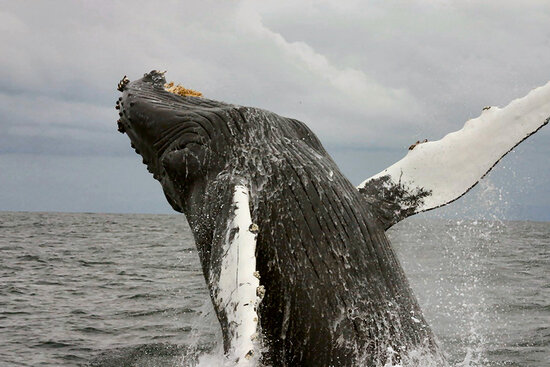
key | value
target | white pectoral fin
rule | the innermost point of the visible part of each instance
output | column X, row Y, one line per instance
column 239, row 283
column 436, row 173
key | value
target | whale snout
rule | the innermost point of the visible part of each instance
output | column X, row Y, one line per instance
column 165, row 123
column 138, row 119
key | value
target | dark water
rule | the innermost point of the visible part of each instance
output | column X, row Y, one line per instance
column 127, row 289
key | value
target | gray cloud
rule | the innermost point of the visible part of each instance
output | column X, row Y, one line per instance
column 369, row 78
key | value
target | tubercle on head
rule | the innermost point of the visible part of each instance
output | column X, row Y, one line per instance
column 120, row 124
column 123, row 83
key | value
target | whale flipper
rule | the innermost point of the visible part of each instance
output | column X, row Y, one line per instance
column 238, row 290
column 436, row 173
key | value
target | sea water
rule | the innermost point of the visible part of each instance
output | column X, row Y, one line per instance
column 120, row 289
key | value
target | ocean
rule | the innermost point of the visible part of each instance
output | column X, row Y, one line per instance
column 127, row 289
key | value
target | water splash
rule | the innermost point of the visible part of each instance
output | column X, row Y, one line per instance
column 203, row 323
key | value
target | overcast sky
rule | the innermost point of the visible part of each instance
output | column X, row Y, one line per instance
column 369, row 78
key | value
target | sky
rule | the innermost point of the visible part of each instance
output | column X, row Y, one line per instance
column 368, row 77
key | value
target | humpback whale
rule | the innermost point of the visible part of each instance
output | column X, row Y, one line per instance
column 296, row 259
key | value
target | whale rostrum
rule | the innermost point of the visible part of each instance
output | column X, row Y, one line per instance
column 296, row 259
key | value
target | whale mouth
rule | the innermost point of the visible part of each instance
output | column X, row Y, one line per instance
column 154, row 114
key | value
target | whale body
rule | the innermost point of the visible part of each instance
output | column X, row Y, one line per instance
column 296, row 259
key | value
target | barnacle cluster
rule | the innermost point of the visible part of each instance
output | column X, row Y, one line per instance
column 180, row 90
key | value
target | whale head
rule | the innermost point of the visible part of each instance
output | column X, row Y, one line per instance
column 178, row 136
column 186, row 141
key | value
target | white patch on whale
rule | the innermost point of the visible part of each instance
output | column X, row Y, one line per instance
column 449, row 167
column 239, row 283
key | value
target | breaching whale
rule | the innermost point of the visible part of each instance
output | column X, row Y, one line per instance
column 299, row 268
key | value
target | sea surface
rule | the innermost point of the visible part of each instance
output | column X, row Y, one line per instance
column 127, row 290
